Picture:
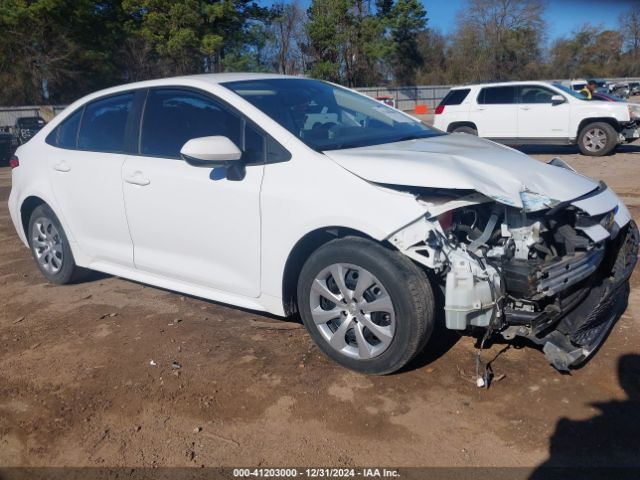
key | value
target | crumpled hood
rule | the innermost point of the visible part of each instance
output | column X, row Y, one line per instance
column 461, row 161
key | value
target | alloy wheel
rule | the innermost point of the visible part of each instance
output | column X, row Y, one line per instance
column 353, row 311
column 595, row 139
column 47, row 245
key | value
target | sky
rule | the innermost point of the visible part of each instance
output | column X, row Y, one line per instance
column 562, row 16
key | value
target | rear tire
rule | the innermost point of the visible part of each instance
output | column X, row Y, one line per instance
column 50, row 246
column 469, row 130
column 597, row 139
column 368, row 308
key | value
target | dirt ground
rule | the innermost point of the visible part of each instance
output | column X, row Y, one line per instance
column 77, row 387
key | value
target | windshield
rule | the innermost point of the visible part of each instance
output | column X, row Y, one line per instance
column 328, row 117
column 573, row 93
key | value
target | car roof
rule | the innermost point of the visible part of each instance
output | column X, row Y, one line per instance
column 503, row 84
column 183, row 80
column 211, row 78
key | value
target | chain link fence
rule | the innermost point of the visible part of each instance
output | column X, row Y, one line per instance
column 406, row 98
column 9, row 115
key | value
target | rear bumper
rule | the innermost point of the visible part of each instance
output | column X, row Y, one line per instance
column 582, row 330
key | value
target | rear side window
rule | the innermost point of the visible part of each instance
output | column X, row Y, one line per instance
column 65, row 135
column 173, row 116
column 104, row 123
column 455, row 97
column 497, row 96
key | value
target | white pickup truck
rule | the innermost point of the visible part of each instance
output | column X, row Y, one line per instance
column 527, row 113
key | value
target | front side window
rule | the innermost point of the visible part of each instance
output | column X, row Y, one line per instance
column 535, row 94
column 173, row 116
column 569, row 91
column 328, row 117
column 104, row 123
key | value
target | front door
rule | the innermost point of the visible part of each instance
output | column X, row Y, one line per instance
column 194, row 224
column 538, row 117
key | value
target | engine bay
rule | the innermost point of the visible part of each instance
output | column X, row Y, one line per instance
column 546, row 275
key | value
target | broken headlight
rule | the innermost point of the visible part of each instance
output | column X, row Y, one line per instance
column 533, row 202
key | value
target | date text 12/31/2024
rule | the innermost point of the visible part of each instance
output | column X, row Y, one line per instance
column 315, row 473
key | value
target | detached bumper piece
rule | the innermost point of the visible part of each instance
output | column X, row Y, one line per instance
column 589, row 311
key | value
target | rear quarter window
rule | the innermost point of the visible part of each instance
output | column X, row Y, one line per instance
column 65, row 135
column 455, row 97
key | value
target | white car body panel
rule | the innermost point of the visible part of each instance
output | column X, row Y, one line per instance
column 543, row 120
column 463, row 162
column 337, row 199
column 253, row 238
column 494, row 121
column 241, row 248
column 206, row 232
column 87, row 187
column 524, row 121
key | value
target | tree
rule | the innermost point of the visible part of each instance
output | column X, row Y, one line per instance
column 505, row 36
column 345, row 41
column 51, row 49
column 191, row 36
column 406, row 20
column 286, row 29
column 588, row 52
column 630, row 30
column 432, row 47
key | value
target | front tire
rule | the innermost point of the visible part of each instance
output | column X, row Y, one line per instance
column 597, row 139
column 368, row 308
column 50, row 246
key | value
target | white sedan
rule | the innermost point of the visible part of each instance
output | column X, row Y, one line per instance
column 292, row 195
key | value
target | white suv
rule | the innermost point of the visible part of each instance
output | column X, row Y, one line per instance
column 286, row 195
column 525, row 113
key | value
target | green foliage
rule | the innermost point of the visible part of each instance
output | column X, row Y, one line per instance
column 353, row 44
column 53, row 51
column 406, row 19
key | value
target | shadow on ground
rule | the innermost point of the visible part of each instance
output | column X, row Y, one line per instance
column 606, row 444
column 570, row 149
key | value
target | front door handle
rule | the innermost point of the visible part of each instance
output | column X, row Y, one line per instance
column 137, row 179
column 62, row 167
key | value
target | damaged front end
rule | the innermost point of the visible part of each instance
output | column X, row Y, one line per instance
column 554, row 272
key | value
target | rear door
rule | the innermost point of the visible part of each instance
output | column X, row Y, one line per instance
column 495, row 113
column 538, row 117
column 85, row 168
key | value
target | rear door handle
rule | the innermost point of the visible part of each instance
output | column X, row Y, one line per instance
column 62, row 167
column 137, row 179
column 525, row 108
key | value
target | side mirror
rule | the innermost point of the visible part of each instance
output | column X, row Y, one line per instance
column 210, row 152
column 558, row 99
